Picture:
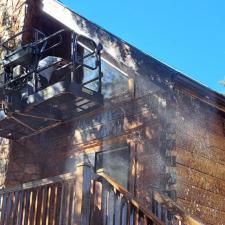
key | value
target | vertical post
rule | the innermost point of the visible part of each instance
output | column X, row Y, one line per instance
column 82, row 192
column 73, row 55
column 133, row 168
column 131, row 88
column 100, row 69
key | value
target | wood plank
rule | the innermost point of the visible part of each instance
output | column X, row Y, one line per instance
column 124, row 213
column 39, row 207
column 201, row 164
column 71, row 202
column 118, row 209
column 21, row 208
column 205, row 214
column 15, row 208
column 27, row 207
column 200, row 148
column 8, row 208
column 73, row 194
column 36, row 206
column 49, row 190
column 200, row 196
column 129, row 198
column 111, row 202
column 40, row 183
column 58, row 203
column 52, row 208
column 136, row 217
column 200, row 180
column 3, row 208
column 31, row 206
column 65, row 204
column 104, row 202
column 204, row 139
column 61, row 204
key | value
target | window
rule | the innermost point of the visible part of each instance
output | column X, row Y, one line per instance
column 116, row 163
column 114, row 82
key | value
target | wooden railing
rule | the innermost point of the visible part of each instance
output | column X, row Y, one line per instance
column 80, row 198
column 119, row 206
column 53, row 201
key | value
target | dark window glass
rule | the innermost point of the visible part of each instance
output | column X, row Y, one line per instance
column 114, row 82
column 116, row 163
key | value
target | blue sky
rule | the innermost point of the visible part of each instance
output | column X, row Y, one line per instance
column 188, row 35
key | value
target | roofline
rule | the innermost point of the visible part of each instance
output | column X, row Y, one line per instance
column 198, row 89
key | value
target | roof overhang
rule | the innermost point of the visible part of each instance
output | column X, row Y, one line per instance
column 129, row 59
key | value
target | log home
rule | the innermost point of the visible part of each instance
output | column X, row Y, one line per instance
column 95, row 131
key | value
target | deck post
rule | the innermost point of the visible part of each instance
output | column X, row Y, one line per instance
column 82, row 192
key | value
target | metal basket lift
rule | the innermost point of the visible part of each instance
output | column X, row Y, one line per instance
column 28, row 104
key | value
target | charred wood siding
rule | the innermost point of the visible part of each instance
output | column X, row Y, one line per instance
column 177, row 142
column 200, row 165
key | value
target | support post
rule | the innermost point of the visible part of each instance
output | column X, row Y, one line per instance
column 82, row 192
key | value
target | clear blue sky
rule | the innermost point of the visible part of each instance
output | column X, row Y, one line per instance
column 188, row 35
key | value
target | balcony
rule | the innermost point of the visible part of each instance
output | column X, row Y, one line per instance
column 83, row 198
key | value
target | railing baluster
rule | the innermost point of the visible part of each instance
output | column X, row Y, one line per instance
column 70, row 202
column 164, row 215
column 104, row 206
column 35, row 206
column 1, row 205
column 58, row 203
column 15, row 208
column 39, row 207
column 124, row 213
column 131, row 214
column 8, row 208
column 61, row 205
column 136, row 217
column 44, row 205
column 111, row 202
column 65, row 203
column 27, row 207
column 4, row 204
column 73, row 193
column 52, row 205
column 48, row 192
column 118, row 209
column 32, row 207
column 20, row 210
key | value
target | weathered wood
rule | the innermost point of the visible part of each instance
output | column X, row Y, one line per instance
column 104, row 202
column 40, row 183
column 111, row 202
column 73, row 197
column 21, row 206
column 118, row 210
column 64, row 208
column 129, row 198
column 210, row 215
column 61, row 204
column 58, row 203
column 200, row 196
column 8, row 208
column 200, row 180
column 200, row 164
column 82, row 189
column 15, row 209
column 32, row 207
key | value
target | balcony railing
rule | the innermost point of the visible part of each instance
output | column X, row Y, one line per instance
column 81, row 198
